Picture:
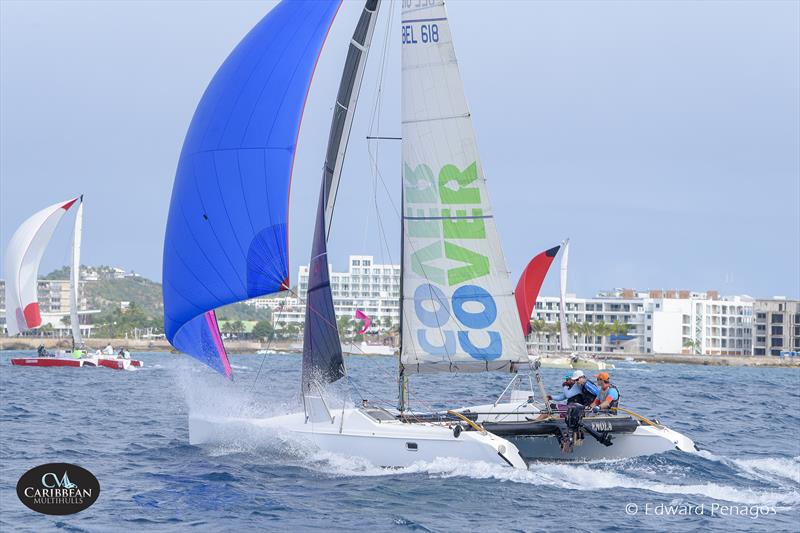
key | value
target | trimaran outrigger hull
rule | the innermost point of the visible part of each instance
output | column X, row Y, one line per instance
column 538, row 440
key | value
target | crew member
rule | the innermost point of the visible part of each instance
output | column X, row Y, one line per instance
column 608, row 395
column 566, row 389
column 587, row 390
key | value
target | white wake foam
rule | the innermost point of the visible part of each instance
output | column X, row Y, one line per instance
column 555, row 475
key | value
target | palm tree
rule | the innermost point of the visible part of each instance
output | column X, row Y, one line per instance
column 538, row 327
column 345, row 326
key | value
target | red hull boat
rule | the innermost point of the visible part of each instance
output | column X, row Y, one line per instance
column 48, row 361
column 120, row 364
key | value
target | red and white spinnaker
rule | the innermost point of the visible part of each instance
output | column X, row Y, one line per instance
column 23, row 256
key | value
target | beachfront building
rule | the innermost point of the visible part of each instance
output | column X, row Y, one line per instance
column 373, row 288
column 657, row 321
column 54, row 295
column 776, row 328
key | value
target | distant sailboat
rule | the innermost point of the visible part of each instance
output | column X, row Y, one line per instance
column 24, row 253
column 572, row 360
column 226, row 244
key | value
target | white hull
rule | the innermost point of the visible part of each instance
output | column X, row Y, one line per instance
column 385, row 443
column 575, row 363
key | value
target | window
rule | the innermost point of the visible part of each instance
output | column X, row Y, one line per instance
column 649, row 328
column 777, row 319
column 777, row 330
column 775, row 352
column 759, row 351
column 761, row 327
column 777, row 341
column 761, row 316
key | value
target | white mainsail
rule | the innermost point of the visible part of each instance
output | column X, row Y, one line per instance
column 458, row 311
column 562, row 309
column 24, row 253
column 75, row 276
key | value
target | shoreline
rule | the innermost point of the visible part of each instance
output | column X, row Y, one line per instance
column 287, row 347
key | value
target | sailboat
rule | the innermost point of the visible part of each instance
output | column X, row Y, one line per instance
column 23, row 256
column 573, row 360
column 226, row 237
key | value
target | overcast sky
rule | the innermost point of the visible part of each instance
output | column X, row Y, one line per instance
column 661, row 137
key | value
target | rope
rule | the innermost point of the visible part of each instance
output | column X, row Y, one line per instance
column 636, row 415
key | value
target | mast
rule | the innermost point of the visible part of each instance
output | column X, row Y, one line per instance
column 562, row 308
column 345, row 106
column 402, row 379
column 75, row 276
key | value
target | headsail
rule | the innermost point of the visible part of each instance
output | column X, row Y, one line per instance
column 226, row 237
column 322, row 349
column 24, row 253
column 75, row 276
column 562, row 308
column 458, row 312
column 529, row 285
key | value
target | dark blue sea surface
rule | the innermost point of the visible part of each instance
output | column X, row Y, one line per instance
column 130, row 429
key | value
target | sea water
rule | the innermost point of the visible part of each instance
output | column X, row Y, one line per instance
column 129, row 428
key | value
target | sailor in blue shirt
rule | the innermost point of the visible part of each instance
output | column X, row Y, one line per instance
column 577, row 389
column 570, row 388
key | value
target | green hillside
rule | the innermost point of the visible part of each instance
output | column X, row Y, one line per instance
column 144, row 296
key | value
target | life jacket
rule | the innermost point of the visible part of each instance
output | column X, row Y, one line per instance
column 603, row 393
column 586, row 397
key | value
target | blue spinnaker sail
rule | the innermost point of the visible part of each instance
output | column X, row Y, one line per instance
column 227, row 238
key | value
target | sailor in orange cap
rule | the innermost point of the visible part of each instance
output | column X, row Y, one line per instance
column 608, row 395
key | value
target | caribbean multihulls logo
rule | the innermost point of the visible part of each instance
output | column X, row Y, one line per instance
column 58, row 488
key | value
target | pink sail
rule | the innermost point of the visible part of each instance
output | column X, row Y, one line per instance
column 367, row 321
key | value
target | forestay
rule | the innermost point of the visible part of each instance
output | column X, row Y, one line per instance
column 344, row 109
column 24, row 253
column 459, row 312
column 226, row 237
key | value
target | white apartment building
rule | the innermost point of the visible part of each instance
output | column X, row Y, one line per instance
column 373, row 288
column 659, row 322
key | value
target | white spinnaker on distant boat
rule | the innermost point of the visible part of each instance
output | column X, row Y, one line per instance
column 24, row 253
column 458, row 312
column 75, row 276
column 562, row 309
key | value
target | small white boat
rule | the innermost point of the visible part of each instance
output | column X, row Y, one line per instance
column 368, row 349
column 574, row 361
